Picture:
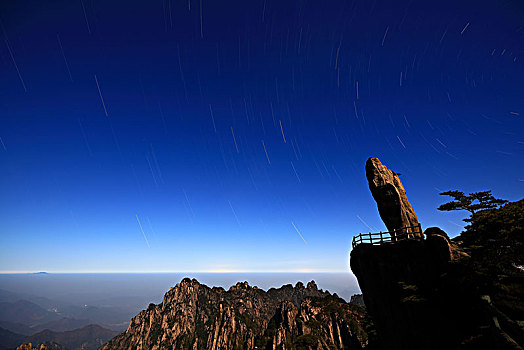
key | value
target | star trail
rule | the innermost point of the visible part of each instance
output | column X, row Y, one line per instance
column 187, row 135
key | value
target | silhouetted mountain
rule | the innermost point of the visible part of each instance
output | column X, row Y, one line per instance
column 62, row 325
column 18, row 328
column 90, row 337
column 193, row 315
column 9, row 340
column 8, row 296
column 25, row 312
column 106, row 315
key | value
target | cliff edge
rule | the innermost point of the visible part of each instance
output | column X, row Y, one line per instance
column 400, row 283
column 436, row 292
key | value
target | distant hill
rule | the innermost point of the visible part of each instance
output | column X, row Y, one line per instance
column 90, row 337
column 18, row 328
column 62, row 325
column 25, row 312
column 8, row 296
column 10, row 340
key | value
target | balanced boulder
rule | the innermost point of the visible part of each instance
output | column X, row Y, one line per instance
column 392, row 202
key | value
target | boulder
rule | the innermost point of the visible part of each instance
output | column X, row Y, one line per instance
column 392, row 202
column 450, row 250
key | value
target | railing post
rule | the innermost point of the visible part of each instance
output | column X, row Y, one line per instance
column 370, row 238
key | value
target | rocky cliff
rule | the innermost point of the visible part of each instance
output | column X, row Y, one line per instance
column 438, row 293
column 399, row 283
column 194, row 316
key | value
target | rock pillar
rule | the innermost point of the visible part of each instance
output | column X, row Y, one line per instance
column 392, row 202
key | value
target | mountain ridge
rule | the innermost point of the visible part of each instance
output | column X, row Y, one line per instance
column 193, row 315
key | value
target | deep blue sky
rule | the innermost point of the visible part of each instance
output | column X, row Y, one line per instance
column 226, row 126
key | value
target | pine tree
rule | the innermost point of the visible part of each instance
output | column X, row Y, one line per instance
column 473, row 202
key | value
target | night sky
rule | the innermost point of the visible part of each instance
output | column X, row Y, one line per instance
column 229, row 135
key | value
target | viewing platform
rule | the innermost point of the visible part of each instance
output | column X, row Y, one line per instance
column 388, row 237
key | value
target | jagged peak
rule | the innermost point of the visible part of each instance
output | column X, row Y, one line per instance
column 189, row 289
column 240, row 286
column 312, row 285
column 187, row 280
column 192, row 282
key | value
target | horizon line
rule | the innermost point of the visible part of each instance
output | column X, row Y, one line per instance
column 157, row 272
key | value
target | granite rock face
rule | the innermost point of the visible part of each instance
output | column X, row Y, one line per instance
column 388, row 191
column 194, row 316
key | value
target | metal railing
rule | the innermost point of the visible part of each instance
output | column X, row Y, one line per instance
column 401, row 234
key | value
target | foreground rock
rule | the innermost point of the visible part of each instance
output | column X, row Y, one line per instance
column 194, row 316
column 396, row 281
column 29, row 346
column 388, row 191
column 442, row 293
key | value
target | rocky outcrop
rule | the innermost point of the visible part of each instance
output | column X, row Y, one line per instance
column 426, row 294
column 448, row 250
column 395, row 280
column 48, row 346
column 358, row 300
column 194, row 316
column 437, row 292
column 388, row 191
